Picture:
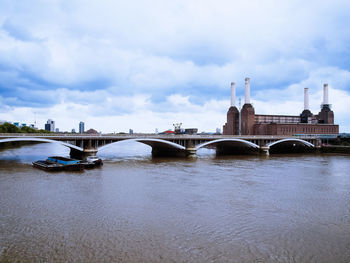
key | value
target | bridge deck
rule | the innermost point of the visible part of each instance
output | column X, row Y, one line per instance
column 163, row 144
column 147, row 135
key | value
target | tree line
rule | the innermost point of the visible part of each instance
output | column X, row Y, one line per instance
column 10, row 128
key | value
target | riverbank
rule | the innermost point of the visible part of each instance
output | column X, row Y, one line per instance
column 335, row 149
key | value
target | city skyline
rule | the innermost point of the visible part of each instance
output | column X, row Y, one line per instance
column 120, row 66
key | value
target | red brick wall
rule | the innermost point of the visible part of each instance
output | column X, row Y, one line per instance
column 232, row 125
column 290, row 129
column 326, row 116
column 248, row 119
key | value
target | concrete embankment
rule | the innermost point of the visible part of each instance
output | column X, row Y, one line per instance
column 335, row 149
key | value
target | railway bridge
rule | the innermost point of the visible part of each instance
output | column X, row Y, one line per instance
column 82, row 145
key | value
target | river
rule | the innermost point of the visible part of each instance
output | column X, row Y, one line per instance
column 281, row 208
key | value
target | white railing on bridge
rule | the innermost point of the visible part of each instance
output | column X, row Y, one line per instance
column 167, row 136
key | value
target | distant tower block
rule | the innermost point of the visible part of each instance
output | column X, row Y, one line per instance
column 247, row 91
column 325, row 93
column 81, row 127
column 233, row 94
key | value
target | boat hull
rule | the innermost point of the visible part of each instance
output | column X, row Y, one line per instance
column 55, row 167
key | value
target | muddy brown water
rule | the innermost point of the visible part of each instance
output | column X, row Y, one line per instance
column 281, row 208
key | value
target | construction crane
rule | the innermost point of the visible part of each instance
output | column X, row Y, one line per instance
column 177, row 128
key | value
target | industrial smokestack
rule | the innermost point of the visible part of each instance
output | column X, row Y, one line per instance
column 247, row 91
column 306, row 98
column 325, row 94
column 233, row 94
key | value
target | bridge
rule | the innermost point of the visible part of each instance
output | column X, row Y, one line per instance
column 82, row 145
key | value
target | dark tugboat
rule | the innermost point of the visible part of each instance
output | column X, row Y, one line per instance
column 92, row 162
column 57, row 163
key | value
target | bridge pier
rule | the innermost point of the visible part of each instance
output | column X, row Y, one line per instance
column 82, row 155
column 191, row 152
column 265, row 150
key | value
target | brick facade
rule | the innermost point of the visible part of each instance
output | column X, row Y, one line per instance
column 248, row 119
column 232, row 125
column 306, row 123
column 292, row 129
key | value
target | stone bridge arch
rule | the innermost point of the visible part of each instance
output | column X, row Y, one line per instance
column 231, row 146
column 300, row 141
column 29, row 139
column 159, row 147
column 289, row 145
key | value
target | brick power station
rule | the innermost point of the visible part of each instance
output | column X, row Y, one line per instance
column 257, row 124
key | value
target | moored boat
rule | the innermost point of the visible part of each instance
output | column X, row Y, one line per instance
column 57, row 163
column 94, row 159
column 92, row 162
column 44, row 165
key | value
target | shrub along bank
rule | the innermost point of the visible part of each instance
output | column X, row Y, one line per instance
column 10, row 128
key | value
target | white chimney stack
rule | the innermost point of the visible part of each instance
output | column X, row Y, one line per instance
column 325, row 93
column 306, row 99
column 233, row 94
column 247, row 91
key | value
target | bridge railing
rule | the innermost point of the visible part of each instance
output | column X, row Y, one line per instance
column 150, row 135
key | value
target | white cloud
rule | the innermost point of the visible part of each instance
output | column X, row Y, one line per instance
column 119, row 113
column 132, row 41
column 186, row 52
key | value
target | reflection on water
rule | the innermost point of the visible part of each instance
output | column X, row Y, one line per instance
column 287, row 208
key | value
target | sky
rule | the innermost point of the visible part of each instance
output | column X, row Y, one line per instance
column 141, row 65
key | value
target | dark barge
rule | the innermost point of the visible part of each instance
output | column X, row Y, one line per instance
column 57, row 163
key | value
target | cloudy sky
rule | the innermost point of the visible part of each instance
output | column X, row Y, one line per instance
column 148, row 64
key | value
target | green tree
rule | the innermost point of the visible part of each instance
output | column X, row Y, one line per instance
column 26, row 129
column 9, row 128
